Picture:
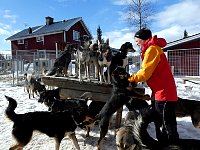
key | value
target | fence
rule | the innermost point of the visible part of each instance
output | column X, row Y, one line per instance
column 185, row 62
column 26, row 61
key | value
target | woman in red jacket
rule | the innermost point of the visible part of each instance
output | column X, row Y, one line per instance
column 156, row 72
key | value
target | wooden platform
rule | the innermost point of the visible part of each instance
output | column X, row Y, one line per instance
column 71, row 87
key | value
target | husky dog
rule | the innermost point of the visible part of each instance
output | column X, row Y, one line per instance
column 104, row 60
column 82, row 57
column 128, row 137
column 94, row 54
column 32, row 85
column 133, row 135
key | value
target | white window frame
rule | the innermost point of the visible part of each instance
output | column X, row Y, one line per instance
column 20, row 41
column 76, row 35
column 40, row 39
column 41, row 54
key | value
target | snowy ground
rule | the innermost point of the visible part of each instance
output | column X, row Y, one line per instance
column 43, row 142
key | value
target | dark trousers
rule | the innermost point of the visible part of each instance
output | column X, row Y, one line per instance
column 167, row 121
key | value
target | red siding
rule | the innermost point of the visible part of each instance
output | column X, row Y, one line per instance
column 185, row 58
column 185, row 62
column 77, row 27
column 192, row 44
column 49, row 43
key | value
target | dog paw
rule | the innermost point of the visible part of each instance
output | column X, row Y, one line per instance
column 100, row 83
column 89, row 80
column 108, row 82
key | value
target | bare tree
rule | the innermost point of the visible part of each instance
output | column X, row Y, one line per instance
column 139, row 13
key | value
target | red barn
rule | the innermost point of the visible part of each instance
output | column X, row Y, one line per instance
column 46, row 40
column 184, row 55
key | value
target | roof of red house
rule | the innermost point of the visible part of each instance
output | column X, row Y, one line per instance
column 53, row 28
column 183, row 40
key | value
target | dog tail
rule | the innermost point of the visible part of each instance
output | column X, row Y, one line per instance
column 10, row 109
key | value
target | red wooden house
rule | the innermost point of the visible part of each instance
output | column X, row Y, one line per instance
column 184, row 55
column 45, row 40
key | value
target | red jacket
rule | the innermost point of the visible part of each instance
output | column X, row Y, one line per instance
column 156, row 71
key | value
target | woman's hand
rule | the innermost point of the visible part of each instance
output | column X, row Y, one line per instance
column 131, row 86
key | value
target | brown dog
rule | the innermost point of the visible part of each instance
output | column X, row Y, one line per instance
column 187, row 107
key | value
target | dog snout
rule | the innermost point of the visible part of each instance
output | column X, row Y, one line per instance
column 87, row 122
column 40, row 100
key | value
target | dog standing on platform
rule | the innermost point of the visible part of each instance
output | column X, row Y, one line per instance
column 94, row 54
column 82, row 57
column 104, row 59
column 61, row 63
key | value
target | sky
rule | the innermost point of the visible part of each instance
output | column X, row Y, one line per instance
column 42, row 142
column 169, row 21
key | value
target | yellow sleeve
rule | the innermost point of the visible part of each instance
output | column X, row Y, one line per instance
column 149, row 63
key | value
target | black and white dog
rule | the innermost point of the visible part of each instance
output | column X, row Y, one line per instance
column 51, row 98
column 119, row 97
column 53, row 124
column 120, row 58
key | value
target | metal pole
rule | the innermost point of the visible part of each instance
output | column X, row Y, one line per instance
column 17, row 65
column 56, row 50
column 39, row 68
column 13, row 77
column 13, row 71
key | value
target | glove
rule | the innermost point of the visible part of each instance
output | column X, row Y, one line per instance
column 133, row 84
column 131, row 78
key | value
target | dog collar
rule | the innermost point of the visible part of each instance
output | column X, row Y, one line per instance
column 75, row 121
